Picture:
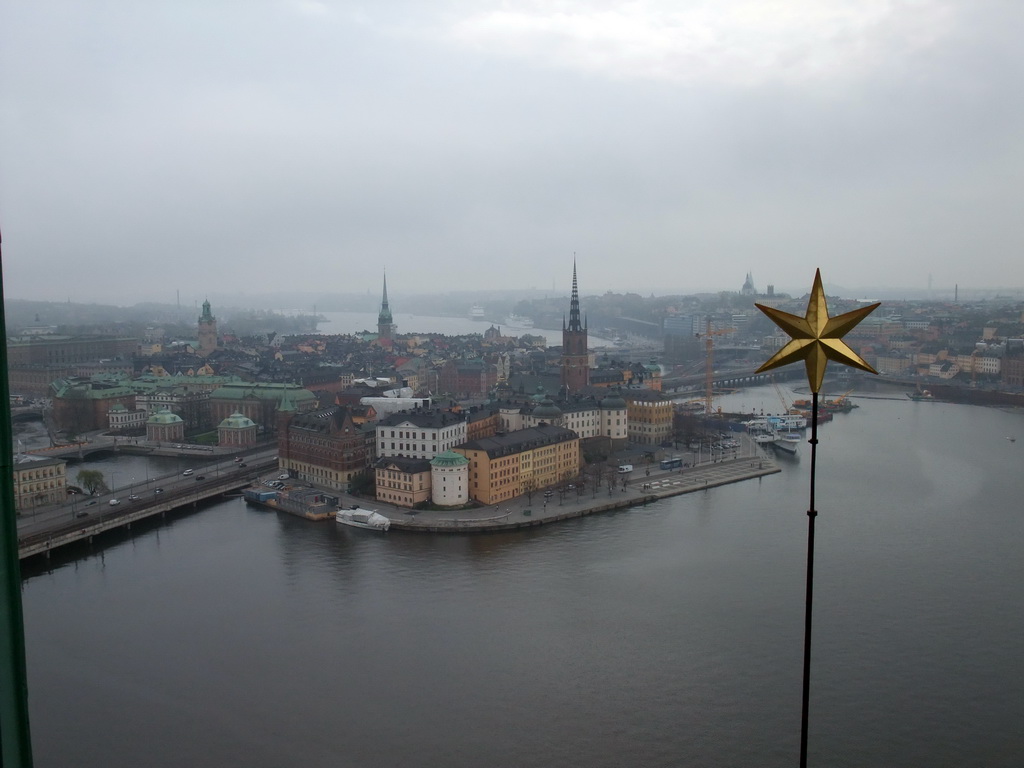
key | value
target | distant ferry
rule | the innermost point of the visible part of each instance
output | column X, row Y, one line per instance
column 476, row 312
column 518, row 321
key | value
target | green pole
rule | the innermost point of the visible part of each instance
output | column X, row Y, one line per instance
column 15, row 738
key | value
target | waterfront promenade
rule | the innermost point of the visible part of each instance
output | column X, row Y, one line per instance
column 522, row 512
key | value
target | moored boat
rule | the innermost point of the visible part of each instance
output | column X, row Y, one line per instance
column 841, row 404
column 788, row 442
column 363, row 518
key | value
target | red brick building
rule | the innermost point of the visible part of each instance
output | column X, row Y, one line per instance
column 467, row 377
column 325, row 446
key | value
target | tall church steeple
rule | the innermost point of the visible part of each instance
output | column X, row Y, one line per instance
column 574, row 303
column 385, row 322
column 575, row 358
column 207, row 331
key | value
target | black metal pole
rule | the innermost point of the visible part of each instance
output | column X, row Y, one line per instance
column 15, row 739
column 811, row 514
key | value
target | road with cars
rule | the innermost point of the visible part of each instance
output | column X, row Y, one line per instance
column 79, row 509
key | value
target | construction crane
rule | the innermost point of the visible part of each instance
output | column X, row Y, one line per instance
column 709, row 368
column 782, row 397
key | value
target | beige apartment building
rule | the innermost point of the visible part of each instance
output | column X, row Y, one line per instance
column 505, row 466
column 650, row 416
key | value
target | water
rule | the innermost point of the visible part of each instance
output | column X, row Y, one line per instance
column 666, row 635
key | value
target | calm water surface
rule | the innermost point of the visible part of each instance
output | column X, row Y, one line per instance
column 666, row 635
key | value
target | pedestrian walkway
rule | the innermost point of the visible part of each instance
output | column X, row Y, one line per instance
column 523, row 512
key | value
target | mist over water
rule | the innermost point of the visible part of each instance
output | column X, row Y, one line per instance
column 665, row 635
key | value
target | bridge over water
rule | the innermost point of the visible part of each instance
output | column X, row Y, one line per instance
column 129, row 445
column 70, row 522
column 746, row 377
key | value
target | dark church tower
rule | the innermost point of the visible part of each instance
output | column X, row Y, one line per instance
column 575, row 360
column 385, row 323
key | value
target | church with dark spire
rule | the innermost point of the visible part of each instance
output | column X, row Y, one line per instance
column 575, row 358
column 385, row 322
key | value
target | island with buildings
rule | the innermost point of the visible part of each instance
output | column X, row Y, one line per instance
column 427, row 422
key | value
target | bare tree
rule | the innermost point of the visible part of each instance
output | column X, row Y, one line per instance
column 529, row 486
column 92, row 481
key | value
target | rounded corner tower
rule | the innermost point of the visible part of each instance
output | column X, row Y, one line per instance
column 449, row 479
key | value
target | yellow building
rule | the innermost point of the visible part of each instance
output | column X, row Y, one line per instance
column 38, row 482
column 649, row 415
column 402, row 481
column 505, row 466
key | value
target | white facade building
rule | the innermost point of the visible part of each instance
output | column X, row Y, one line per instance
column 420, row 434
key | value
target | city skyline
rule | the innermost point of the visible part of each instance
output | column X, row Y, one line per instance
column 215, row 151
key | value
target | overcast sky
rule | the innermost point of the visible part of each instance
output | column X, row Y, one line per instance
column 148, row 147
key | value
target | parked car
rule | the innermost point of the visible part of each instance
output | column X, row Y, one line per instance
column 133, row 497
column 283, row 476
column 158, row 490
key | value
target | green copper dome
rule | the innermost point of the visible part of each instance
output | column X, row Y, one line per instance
column 236, row 421
column 449, row 459
column 164, row 416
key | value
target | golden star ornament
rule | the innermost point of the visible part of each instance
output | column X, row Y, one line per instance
column 817, row 338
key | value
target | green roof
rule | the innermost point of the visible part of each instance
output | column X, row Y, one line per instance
column 449, row 459
column 164, row 416
column 236, row 421
column 245, row 391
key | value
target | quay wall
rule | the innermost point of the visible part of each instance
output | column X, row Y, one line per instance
column 641, row 493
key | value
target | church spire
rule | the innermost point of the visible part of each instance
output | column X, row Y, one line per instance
column 574, row 302
column 575, row 356
column 385, row 322
column 385, row 310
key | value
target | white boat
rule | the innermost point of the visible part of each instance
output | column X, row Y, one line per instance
column 518, row 321
column 790, row 421
column 785, row 423
column 788, row 442
column 363, row 518
column 476, row 312
column 765, row 438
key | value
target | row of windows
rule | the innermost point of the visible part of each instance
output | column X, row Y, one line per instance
column 39, row 486
column 39, row 474
column 408, row 434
